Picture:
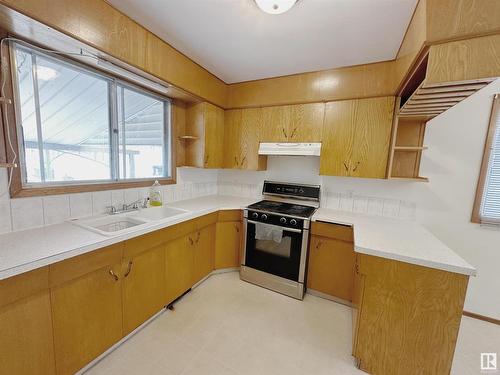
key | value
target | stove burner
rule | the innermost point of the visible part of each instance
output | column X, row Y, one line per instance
column 283, row 208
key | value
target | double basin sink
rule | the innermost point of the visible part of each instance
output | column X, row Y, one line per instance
column 111, row 225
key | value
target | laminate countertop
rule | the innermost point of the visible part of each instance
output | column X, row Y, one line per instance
column 406, row 241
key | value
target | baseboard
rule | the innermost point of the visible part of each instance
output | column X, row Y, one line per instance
column 315, row 293
column 481, row 317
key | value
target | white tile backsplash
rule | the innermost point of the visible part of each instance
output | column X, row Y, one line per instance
column 55, row 209
column 26, row 213
column 80, row 205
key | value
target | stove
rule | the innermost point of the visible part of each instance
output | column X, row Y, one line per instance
column 277, row 237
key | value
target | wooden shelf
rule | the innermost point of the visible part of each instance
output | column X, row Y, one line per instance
column 410, row 148
column 418, row 179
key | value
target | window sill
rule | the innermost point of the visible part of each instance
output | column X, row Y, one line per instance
column 84, row 188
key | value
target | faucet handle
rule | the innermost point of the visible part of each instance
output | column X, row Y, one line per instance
column 112, row 209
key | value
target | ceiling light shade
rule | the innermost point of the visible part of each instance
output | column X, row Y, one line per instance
column 275, row 6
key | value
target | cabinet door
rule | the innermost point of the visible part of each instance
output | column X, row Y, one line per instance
column 26, row 341
column 373, row 136
column 144, row 287
column 233, row 142
column 203, row 248
column 331, row 267
column 251, row 125
column 87, row 317
column 214, row 136
column 338, row 142
column 275, row 124
column 227, row 244
column 306, row 122
column 178, row 267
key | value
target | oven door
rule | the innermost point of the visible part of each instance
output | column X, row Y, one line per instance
column 281, row 258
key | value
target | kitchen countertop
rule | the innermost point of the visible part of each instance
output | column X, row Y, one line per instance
column 406, row 241
column 403, row 240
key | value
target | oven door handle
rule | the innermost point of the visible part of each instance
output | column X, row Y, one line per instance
column 277, row 226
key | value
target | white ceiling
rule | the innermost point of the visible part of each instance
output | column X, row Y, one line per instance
column 237, row 42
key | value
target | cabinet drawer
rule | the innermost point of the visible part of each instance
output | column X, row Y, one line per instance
column 24, row 285
column 229, row 215
column 337, row 231
column 76, row 267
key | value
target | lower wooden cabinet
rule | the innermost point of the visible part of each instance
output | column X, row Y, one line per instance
column 203, row 252
column 86, row 310
column 227, row 244
column 26, row 342
column 331, row 266
column 406, row 318
column 178, row 267
column 144, row 286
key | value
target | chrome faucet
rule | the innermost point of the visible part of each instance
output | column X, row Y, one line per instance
column 134, row 206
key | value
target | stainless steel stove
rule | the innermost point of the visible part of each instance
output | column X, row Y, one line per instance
column 277, row 237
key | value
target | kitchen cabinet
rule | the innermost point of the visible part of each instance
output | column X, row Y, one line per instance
column 293, row 123
column 202, row 243
column 178, row 267
column 331, row 260
column 26, row 341
column 227, row 245
column 144, row 283
column 356, row 137
column 242, row 133
column 406, row 316
column 86, row 297
column 205, row 124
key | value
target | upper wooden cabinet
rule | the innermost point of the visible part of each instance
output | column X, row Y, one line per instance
column 242, row 133
column 205, row 123
column 293, row 123
column 356, row 137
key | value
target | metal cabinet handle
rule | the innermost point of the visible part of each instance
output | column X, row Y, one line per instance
column 318, row 245
column 237, row 228
column 284, row 133
column 243, row 161
column 129, row 268
column 191, row 240
column 356, row 166
column 236, row 161
column 356, row 268
column 206, row 159
column 293, row 132
column 112, row 273
column 346, row 167
column 198, row 237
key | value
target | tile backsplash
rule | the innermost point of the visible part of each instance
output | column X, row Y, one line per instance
column 24, row 213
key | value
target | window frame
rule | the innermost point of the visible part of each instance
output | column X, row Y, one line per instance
column 20, row 187
column 478, row 200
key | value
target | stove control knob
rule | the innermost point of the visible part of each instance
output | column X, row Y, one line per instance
column 283, row 220
column 293, row 222
column 255, row 215
column 264, row 217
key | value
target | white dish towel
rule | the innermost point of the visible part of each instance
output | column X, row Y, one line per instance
column 268, row 233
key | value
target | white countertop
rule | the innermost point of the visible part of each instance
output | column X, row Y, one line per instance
column 393, row 239
column 402, row 240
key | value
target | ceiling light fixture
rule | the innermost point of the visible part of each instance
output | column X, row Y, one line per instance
column 275, row 6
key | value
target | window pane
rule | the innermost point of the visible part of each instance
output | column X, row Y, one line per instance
column 141, row 121
column 74, row 111
column 28, row 115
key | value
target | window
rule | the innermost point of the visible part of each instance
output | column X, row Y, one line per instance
column 487, row 205
column 80, row 126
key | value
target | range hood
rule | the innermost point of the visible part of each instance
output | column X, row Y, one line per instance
column 298, row 149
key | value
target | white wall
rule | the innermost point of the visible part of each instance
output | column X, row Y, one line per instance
column 444, row 205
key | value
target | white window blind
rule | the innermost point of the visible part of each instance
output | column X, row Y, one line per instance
column 490, row 205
